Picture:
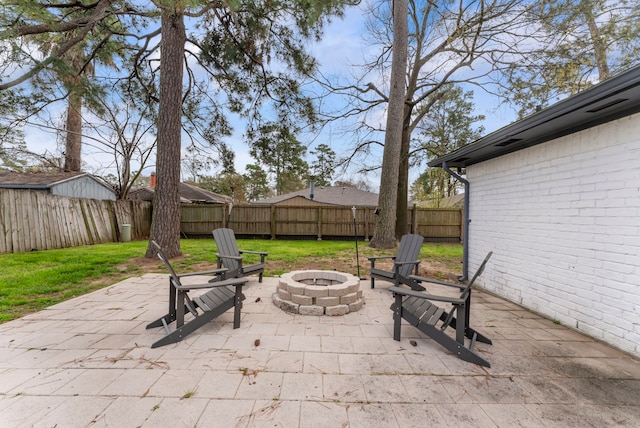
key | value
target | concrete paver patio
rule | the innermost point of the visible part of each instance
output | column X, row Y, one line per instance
column 87, row 362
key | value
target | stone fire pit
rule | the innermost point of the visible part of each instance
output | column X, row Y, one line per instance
column 318, row 292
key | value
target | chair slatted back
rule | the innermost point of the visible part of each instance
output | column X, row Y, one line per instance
column 408, row 251
column 227, row 246
column 161, row 256
column 465, row 291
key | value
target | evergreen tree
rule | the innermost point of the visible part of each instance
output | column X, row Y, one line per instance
column 323, row 165
column 257, row 183
column 282, row 154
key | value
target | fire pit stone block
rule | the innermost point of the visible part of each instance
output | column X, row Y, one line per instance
column 318, row 292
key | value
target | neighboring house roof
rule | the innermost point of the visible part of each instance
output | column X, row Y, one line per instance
column 199, row 195
column 611, row 99
column 146, row 194
column 188, row 194
column 455, row 201
column 333, row 195
column 43, row 180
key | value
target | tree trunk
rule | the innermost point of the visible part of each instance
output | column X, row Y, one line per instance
column 73, row 144
column 384, row 234
column 165, row 223
column 402, row 224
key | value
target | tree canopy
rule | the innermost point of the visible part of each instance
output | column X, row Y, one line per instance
column 241, row 56
column 572, row 45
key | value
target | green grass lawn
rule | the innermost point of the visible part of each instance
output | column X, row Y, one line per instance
column 32, row 281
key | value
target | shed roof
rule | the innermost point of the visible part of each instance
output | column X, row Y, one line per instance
column 333, row 195
column 611, row 99
column 42, row 180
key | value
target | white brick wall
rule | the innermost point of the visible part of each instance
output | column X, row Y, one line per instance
column 563, row 220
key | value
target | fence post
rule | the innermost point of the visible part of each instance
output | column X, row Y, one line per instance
column 413, row 218
column 319, row 223
column 273, row 222
column 366, row 224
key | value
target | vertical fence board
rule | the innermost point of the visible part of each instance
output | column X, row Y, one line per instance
column 140, row 218
column 251, row 220
column 36, row 220
column 439, row 224
column 201, row 219
column 18, row 234
column 6, row 245
column 73, row 223
column 43, row 222
column 61, row 217
column 296, row 221
column 102, row 221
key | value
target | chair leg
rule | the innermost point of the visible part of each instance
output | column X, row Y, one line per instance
column 415, row 285
column 397, row 317
column 457, row 348
column 461, row 321
column 468, row 332
column 183, row 331
column 162, row 321
column 171, row 314
column 237, row 306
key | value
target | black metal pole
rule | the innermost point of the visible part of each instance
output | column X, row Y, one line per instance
column 355, row 236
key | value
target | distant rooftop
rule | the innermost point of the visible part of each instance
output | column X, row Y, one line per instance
column 333, row 195
column 188, row 194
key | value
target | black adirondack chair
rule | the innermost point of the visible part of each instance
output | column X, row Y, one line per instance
column 404, row 262
column 222, row 296
column 230, row 257
column 418, row 309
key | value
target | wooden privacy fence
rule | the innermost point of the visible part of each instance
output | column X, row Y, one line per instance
column 321, row 221
column 31, row 220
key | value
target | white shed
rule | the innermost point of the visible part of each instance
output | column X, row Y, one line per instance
column 556, row 196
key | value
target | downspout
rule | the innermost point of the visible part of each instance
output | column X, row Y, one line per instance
column 465, row 232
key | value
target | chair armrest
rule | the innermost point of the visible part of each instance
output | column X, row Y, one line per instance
column 411, row 262
column 422, row 295
column 204, row 272
column 231, row 281
column 223, row 256
column 373, row 259
column 381, row 257
column 435, row 281
column 262, row 254
column 224, row 283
